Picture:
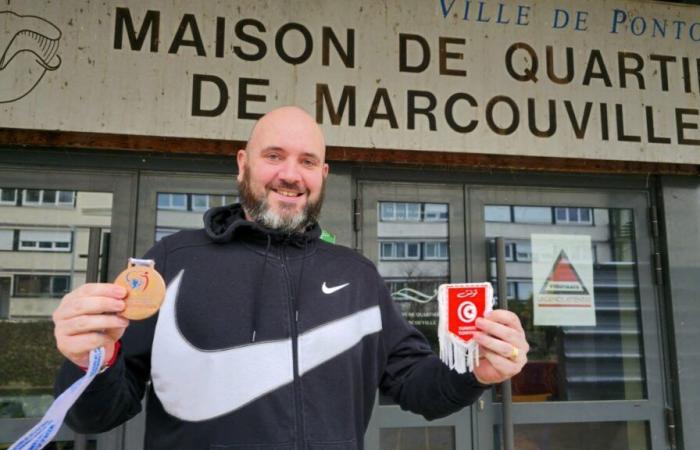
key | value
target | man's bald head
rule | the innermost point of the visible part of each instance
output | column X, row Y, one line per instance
column 290, row 122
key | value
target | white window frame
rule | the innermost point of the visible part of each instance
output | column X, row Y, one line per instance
column 8, row 202
column 52, row 291
column 437, row 245
column 428, row 217
column 568, row 220
column 170, row 206
column 200, row 208
column 395, row 245
column 42, row 203
column 34, row 244
column 395, row 217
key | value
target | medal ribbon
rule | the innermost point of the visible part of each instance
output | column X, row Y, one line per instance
column 42, row 433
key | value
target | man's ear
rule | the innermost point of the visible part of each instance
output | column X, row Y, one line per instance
column 326, row 168
column 241, row 159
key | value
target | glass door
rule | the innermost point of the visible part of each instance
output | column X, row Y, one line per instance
column 45, row 218
column 579, row 277
column 415, row 233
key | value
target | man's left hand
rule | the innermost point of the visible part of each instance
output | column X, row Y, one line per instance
column 502, row 347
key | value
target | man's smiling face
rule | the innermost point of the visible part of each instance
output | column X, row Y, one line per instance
column 282, row 170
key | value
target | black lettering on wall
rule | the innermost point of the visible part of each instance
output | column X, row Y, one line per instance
column 531, row 113
column 347, row 99
column 569, row 66
column 596, row 59
column 620, row 121
column 123, row 20
column 244, row 97
column 308, row 43
column 650, row 128
column 188, row 22
column 381, row 96
column 445, row 55
column 663, row 61
column 682, row 125
column 219, row 84
column 604, row 128
column 259, row 44
column 529, row 74
column 579, row 127
column 450, row 113
column 622, row 57
column 412, row 110
column 404, row 65
column 347, row 54
column 220, row 36
column 515, row 121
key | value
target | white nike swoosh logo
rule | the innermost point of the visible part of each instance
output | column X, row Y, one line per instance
column 196, row 385
column 330, row 290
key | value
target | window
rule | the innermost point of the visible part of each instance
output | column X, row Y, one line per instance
column 573, row 216
column 8, row 196
column 200, row 202
column 532, row 214
column 436, row 250
column 399, row 250
column 45, row 240
column 399, row 212
column 52, row 286
column 48, row 197
column 497, row 213
column 172, row 201
column 7, row 238
column 435, row 212
column 509, row 248
column 163, row 232
column 523, row 251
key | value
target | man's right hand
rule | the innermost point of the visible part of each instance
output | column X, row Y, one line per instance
column 87, row 319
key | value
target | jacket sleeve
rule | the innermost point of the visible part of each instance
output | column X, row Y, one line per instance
column 414, row 377
column 115, row 395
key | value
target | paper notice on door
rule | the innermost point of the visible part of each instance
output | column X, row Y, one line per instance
column 562, row 280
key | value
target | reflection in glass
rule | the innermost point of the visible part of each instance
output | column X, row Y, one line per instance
column 413, row 245
column 183, row 211
column 60, row 445
column 43, row 247
column 417, row 438
column 601, row 362
column 579, row 436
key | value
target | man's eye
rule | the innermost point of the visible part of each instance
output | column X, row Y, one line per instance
column 309, row 162
column 273, row 157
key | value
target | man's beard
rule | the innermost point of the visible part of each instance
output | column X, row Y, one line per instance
column 259, row 210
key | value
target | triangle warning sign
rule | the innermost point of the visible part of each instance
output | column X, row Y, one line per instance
column 563, row 279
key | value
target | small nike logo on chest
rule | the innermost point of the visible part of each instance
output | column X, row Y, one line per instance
column 329, row 290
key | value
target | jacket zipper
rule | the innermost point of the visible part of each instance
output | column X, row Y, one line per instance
column 295, row 355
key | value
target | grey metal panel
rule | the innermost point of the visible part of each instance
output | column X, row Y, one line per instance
column 336, row 215
column 122, row 184
column 651, row 409
column 681, row 204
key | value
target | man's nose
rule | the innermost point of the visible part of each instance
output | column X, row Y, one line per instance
column 290, row 172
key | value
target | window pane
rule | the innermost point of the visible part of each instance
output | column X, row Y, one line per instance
column 413, row 250
column 33, row 278
column 49, row 196
column 8, row 195
column 497, row 213
column 32, row 195
column 561, row 214
column 573, row 214
column 387, row 250
column 532, row 214
column 587, row 435
column 417, row 438
column 401, row 211
column 585, row 214
column 413, row 212
column 66, row 197
column 173, row 215
column 435, row 212
column 602, row 361
column 387, row 210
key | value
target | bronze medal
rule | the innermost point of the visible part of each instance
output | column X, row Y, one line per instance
column 145, row 289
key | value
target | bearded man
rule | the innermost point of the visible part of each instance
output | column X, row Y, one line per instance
column 269, row 338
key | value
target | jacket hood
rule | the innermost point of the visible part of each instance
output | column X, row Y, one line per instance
column 225, row 223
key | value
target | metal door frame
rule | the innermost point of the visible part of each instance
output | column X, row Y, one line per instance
column 371, row 192
column 122, row 185
column 650, row 409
